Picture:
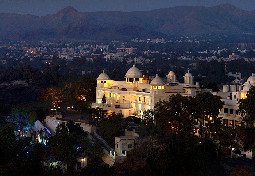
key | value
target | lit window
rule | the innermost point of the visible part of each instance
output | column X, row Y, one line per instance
column 231, row 123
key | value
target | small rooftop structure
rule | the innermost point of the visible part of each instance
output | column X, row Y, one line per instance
column 133, row 72
column 251, row 79
column 103, row 76
column 157, row 81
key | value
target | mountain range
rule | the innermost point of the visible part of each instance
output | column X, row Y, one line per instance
column 69, row 24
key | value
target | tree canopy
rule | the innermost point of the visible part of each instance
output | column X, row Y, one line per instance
column 246, row 107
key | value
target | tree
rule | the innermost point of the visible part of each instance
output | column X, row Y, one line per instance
column 54, row 95
column 222, row 135
column 148, row 116
column 32, row 117
column 246, row 108
column 63, row 146
column 176, row 150
column 110, row 127
column 245, row 133
column 20, row 119
column 7, row 140
column 174, row 115
column 207, row 108
column 71, row 142
column 7, row 136
column 178, row 154
column 96, row 115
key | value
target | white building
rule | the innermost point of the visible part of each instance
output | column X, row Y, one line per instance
column 231, row 94
column 137, row 93
column 124, row 144
column 53, row 122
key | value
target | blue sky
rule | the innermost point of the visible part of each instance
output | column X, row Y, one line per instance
column 43, row 7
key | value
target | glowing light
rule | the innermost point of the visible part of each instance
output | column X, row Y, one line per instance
column 243, row 95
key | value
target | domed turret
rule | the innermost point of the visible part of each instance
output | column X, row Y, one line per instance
column 134, row 75
column 157, row 81
column 133, row 72
column 251, row 79
column 171, row 73
column 103, row 76
column 188, row 74
column 171, row 77
column 188, row 78
column 246, row 88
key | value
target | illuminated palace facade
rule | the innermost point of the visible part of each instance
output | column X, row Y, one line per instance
column 137, row 93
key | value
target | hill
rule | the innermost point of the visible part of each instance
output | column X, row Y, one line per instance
column 69, row 24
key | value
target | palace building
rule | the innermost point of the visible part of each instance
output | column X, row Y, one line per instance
column 137, row 93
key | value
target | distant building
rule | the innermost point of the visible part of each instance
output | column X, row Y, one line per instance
column 124, row 144
column 231, row 94
column 127, row 50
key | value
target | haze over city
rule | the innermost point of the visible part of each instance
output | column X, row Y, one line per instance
column 43, row 7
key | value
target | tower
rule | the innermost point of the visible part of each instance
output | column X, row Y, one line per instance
column 188, row 78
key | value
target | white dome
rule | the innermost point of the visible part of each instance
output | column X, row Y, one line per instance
column 157, row 81
column 246, row 88
column 133, row 72
column 103, row 76
column 171, row 73
column 251, row 79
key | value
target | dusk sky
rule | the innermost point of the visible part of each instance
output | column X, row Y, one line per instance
column 43, row 7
